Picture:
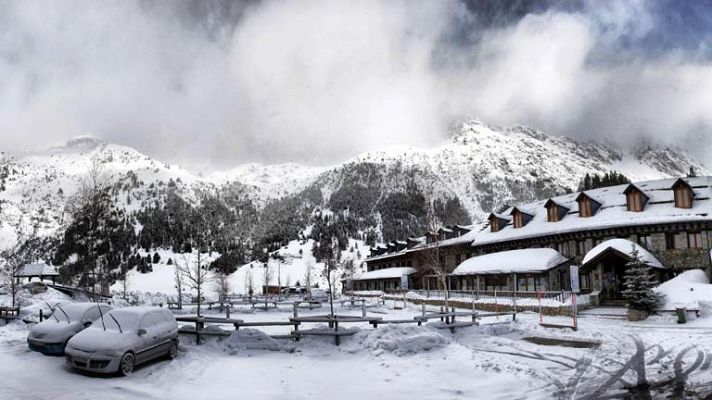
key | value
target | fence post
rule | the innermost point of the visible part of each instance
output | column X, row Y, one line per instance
column 363, row 309
column 296, row 312
column 541, row 316
column 40, row 315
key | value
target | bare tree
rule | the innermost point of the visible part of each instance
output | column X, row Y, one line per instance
column 195, row 274
column 178, row 279
column 12, row 260
column 308, row 277
column 124, row 282
column 331, row 263
column 430, row 257
column 267, row 275
column 222, row 285
column 249, row 282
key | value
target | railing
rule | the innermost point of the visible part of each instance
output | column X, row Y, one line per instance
column 560, row 296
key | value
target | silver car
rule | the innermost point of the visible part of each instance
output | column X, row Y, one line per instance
column 124, row 338
column 51, row 335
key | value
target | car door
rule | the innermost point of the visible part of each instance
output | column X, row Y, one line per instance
column 164, row 331
column 147, row 343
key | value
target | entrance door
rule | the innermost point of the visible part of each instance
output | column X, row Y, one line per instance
column 613, row 282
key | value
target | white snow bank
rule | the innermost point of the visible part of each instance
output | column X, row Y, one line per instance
column 626, row 247
column 691, row 289
column 397, row 339
column 504, row 262
column 249, row 339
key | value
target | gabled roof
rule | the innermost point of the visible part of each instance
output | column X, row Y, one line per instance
column 584, row 195
column 623, row 248
column 517, row 209
column 551, row 202
column 680, row 182
column 632, row 188
column 498, row 216
column 38, row 269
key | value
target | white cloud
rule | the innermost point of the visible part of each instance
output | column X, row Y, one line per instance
column 320, row 81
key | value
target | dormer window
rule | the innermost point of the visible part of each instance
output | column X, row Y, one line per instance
column 496, row 222
column 635, row 198
column 520, row 218
column 683, row 194
column 587, row 205
column 554, row 211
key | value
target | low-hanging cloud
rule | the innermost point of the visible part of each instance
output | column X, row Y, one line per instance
column 211, row 84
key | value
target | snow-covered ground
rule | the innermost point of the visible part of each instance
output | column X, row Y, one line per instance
column 498, row 360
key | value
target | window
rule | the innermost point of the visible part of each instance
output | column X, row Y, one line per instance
column 529, row 283
column 694, row 240
column 496, row 282
column 634, row 201
column 683, row 197
column 494, row 225
column 91, row 315
column 585, row 208
column 552, row 213
column 669, row 240
column 518, row 220
column 645, row 241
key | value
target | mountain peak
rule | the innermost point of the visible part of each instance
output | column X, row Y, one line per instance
column 84, row 142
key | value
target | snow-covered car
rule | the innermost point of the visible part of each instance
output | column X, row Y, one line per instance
column 51, row 335
column 123, row 339
column 318, row 294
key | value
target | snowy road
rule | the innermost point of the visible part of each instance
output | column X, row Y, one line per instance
column 656, row 359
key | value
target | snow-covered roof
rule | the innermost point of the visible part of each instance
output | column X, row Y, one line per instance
column 38, row 269
column 613, row 212
column 385, row 273
column 626, row 247
column 511, row 261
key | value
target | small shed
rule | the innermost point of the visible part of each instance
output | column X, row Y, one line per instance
column 38, row 270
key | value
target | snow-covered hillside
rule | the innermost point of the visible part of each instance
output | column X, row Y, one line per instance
column 484, row 166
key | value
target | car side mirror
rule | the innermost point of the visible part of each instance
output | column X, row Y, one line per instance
column 142, row 332
column 87, row 324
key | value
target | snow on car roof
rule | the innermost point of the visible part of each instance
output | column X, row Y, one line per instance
column 626, row 247
column 385, row 273
column 511, row 261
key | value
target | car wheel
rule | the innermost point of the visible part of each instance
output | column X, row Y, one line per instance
column 127, row 364
column 173, row 350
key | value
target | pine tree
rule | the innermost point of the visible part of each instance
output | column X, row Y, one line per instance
column 639, row 283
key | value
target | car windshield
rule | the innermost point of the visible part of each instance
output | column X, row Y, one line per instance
column 70, row 312
column 119, row 320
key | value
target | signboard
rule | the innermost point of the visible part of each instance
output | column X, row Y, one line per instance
column 574, row 274
column 404, row 282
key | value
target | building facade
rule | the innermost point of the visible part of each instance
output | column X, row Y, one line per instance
column 670, row 219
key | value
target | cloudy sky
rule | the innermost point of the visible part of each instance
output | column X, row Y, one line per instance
column 213, row 83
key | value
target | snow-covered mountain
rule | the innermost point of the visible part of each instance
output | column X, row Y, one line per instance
column 485, row 167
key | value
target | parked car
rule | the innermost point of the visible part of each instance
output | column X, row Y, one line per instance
column 67, row 319
column 318, row 294
column 123, row 339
